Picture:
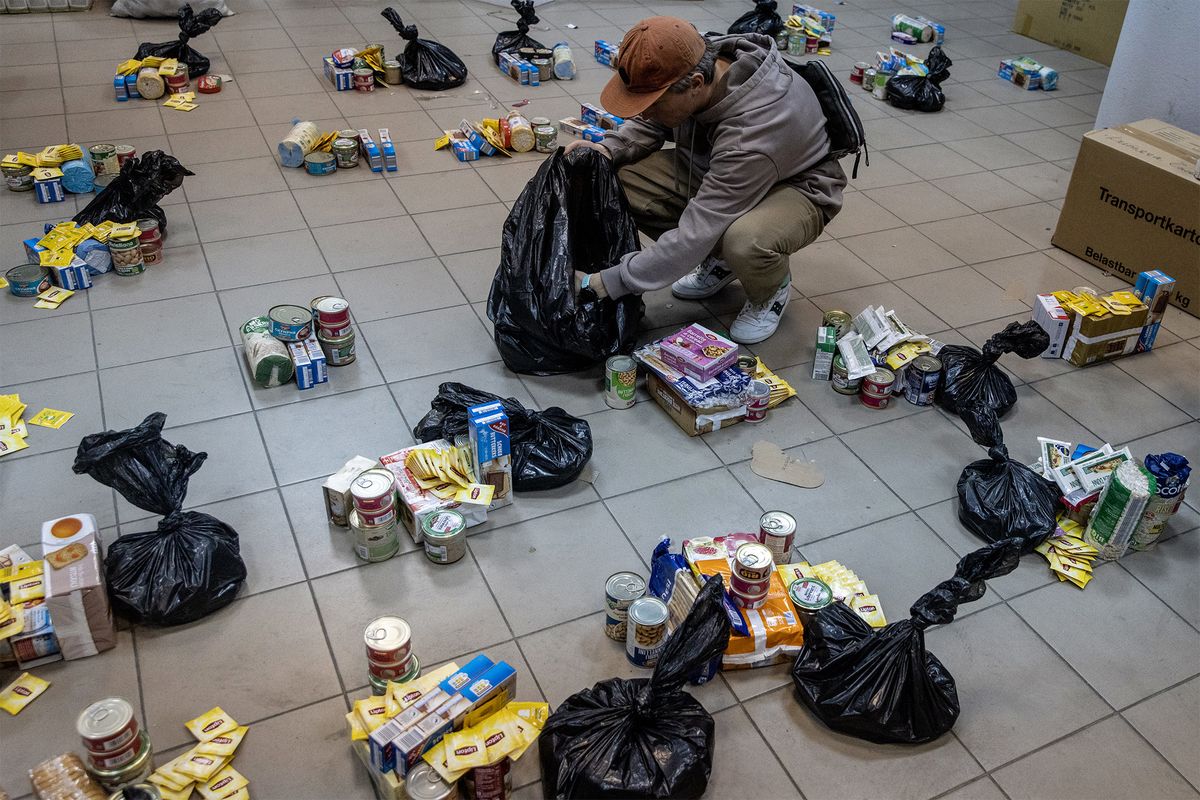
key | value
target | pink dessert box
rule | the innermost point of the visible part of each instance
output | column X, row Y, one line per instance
column 698, row 352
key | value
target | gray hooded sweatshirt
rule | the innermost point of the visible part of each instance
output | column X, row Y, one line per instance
column 767, row 129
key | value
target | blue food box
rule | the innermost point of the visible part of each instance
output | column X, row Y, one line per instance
column 491, row 450
column 1154, row 289
column 49, row 191
column 341, row 78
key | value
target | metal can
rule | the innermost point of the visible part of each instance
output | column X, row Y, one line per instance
column 748, row 365
column 857, row 71
column 876, row 389
column 208, row 84
column 124, row 152
column 179, row 82
column 107, row 725
column 757, row 402
column 364, row 80
column 921, row 379
column 142, row 791
column 126, row 256
column 118, row 758
column 18, row 178
column 493, row 782
column 753, row 562
column 104, row 159
column 391, row 72
column 290, row 323
column 332, row 314
column 545, row 135
column 136, row 771
column 389, row 672
column 320, row 163
column 841, row 322
column 339, row 351
column 373, row 490
column 388, row 640
column 28, row 280
column 620, row 382
column 777, row 531
column 445, row 535
column 379, row 516
column 869, row 79
column 811, row 43
column 755, row 589
column 809, row 596
column 646, row 631
column 351, row 134
column 345, row 150
column 423, row 783
column 781, row 39
column 373, row 543
column 620, row 590
column 840, row 377
column 150, row 241
column 749, row 599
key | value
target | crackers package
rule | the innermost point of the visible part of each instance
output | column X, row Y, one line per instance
column 77, row 599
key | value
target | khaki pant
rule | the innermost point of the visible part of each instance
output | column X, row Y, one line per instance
column 756, row 246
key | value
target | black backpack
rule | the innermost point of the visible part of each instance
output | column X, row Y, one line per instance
column 845, row 129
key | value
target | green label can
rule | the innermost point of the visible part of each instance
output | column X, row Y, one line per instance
column 620, row 381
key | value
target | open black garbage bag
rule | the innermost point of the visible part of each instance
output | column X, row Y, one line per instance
column 999, row 498
column 763, row 18
column 191, row 565
column 969, row 375
column 512, row 41
column 882, row 685
column 136, row 192
column 645, row 737
column 921, row 92
column 549, row 447
column 572, row 215
column 191, row 25
column 426, row 64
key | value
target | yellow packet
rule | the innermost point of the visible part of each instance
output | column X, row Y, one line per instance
column 5, row 612
column 175, row 794
column 241, row 794
column 436, row 758
column 10, row 443
column 371, row 712
column 51, row 418
column 129, row 66
column 465, row 750
column 171, row 780
column 26, row 589
column 14, row 624
column 503, row 733
column 869, row 608
column 210, row 724
column 201, row 767
column 402, row 695
column 56, row 258
column 537, row 713
column 224, row 744
column 21, row 692
column 3, row 282
column 357, row 732
column 223, row 784
column 477, row 493
column 125, row 230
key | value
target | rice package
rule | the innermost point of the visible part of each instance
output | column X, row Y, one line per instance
column 1119, row 510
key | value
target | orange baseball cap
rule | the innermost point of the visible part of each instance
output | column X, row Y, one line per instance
column 654, row 54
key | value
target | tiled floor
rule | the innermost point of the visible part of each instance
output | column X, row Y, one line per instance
column 1065, row 693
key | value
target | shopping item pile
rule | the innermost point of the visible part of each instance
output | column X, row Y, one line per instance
column 510, row 43
column 14, row 428
column 325, row 153
column 153, row 77
column 808, row 30
column 905, row 80
column 533, row 66
column 359, row 69
column 299, row 342
column 917, row 30
column 1027, row 73
column 191, row 25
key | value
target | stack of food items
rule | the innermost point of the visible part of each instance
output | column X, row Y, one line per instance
column 207, row 767
column 533, row 66
column 349, row 68
column 1069, row 556
column 49, row 173
column 153, row 76
column 917, row 30
column 118, row 751
column 299, row 341
column 373, row 516
column 433, row 478
column 325, row 153
column 390, row 659
column 1027, row 73
column 807, row 31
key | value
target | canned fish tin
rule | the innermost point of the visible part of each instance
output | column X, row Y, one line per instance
column 445, row 536
column 28, row 280
column 753, row 561
column 320, row 163
column 748, row 364
column 620, row 590
column 921, row 380
column 879, row 382
column 391, row 72
column 373, row 543
column 646, row 631
column 338, row 351
column 493, row 782
column 179, row 82
column 746, row 600
column 333, row 314
column 620, row 381
column 379, row 686
column 757, row 402
column 150, row 241
column 423, row 783
column 777, row 531
column 840, row 378
column 104, row 159
column 373, row 490
column 388, row 640
column 345, row 150
column 389, row 672
column 119, row 758
column 136, row 771
column 18, row 178
column 809, row 596
column 364, row 80
column 841, row 322
column 290, row 323
column 379, row 516
column 756, row 589
column 351, row 134
column 141, row 791
column 107, row 725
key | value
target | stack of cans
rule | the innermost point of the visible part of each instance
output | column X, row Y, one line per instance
column 750, row 578
column 331, row 321
column 118, row 750
column 373, row 519
column 620, row 590
column 389, row 653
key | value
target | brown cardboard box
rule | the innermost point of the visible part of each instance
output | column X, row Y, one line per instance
column 1087, row 27
column 1101, row 337
column 1134, row 205
column 77, row 600
column 692, row 423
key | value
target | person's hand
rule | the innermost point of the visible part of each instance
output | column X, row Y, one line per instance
column 594, row 282
column 580, row 144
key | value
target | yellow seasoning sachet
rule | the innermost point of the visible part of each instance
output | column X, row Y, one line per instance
column 210, row 724
column 168, row 778
column 51, row 417
column 21, row 692
column 357, row 732
column 26, row 589
column 174, row 794
column 241, row 794
column 371, row 712
column 200, row 766
column 223, row 784
column 11, row 444
column 466, row 750
column 224, row 744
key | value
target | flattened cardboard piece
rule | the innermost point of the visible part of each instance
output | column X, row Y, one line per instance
column 770, row 462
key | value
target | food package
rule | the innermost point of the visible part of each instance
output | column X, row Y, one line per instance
column 1171, row 472
column 77, row 600
column 417, row 503
column 1119, row 510
column 268, row 358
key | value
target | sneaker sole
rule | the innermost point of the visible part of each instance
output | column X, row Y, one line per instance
column 756, row 340
column 703, row 295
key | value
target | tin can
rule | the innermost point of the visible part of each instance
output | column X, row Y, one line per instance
column 388, row 672
column 797, row 41
column 320, row 163
column 811, row 43
column 753, row 562
column 208, row 84
column 545, row 135
column 150, row 241
column 179, row 82
column 857, row 72
column 748, row 365
column 346, row 152
column 754, row 590
column 364, row 80
column 338, row 351
column 373, row 490
column 18, row 178
column 373, row 543
column 809, row 596
column 126, row 256
column 869, row 79
column 379, row 516
column 388, row 640
column 142, row 791
column 423, row 783
column 379, row 686
column 351, row 134
column 620, row 382
column 493, row 782
column 620, row 590
column 124, row 152
column 445, row 536
column 781, row 39
column 104, row 159
column 876, row 391
column 777, row 531
column 757, row 402
column 391, row 72
column 840, row 377
column 107, row 726
column 921, row 379
column 841, row 322
column 28, row 280
column 646, row 631
column 748, row 600
column 290, row 323
column 136, row 771
column 119, row 758
column 332, row 315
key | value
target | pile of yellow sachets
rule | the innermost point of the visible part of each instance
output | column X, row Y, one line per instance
column 846, row 586
column 206, row 768
column 445, row 473
column 54, row 155
column 506, row 734
column 13, row 428
column 1069, row 555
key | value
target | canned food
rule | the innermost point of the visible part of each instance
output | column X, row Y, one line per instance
column 150, row 241
column 752, row 561
column 290, row 323
column 140, row 791
column 921, row 379
column 389, row 672
column 809, row 596
column 750, row 589
column 748, row 601
column 840, row 378
column 879, row 91
column 869, row 78
column 320, row 163
column 373, row 542
column 423, row 783
column 388, row 640
column 748, row 364
column 127, row 256
column 104, row 159
column 379, row 516
column 28, row 280
column 364, row 80
column 620, row 382
column 620, row 590
column 124, row 152
column 332, row 314
column 136, row 771
column 18, row 178
column 493, row 782
column 841, row 322
column 445, row 536
column 119, row 758
column 391, row 72
column 545, row 135
column 879, row 382
column 345, row 151
column 351, row 134
column 179, row 82
column 811, row 43
column 373, row 490
column 208, row 84
column 107, row 725
column 646, row 631
column 757, row 402
column 857, row 72
column 777, row 531
column 338, row 351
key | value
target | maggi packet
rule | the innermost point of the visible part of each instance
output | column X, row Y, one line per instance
column 21, row 692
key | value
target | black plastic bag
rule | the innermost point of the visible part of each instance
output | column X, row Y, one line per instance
column 882, row 685
column 512, row 41
column 136, row 192
column 645, row 737
column 572, row 215
column 969, row 375
column 191, row 25
column 921, row 92
column 191, row 565
column 999, row 498
column 549, row 448
column 763, row 19
column 426, row 64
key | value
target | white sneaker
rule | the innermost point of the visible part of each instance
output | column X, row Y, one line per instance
column 710, row 277
column 757, row 322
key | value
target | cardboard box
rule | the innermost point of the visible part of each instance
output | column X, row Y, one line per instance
column 488, row 432
column 693, row 422
column 1054, row 320
column 77, row 601
column 1087, row 27
column 1132, row 205
column 336, row 489
column 1102, row 337
column 1154, row 289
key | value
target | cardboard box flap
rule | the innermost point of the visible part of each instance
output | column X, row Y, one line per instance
column 1154, row 142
